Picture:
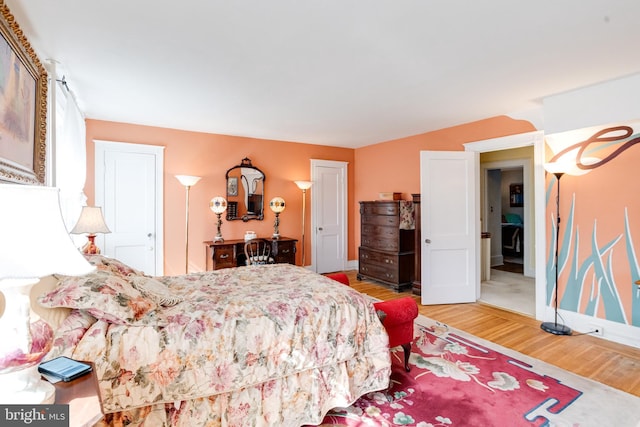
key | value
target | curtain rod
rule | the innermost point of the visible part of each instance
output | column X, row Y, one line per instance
column 64, row 84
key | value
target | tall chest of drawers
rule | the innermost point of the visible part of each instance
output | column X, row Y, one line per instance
column 387, row 248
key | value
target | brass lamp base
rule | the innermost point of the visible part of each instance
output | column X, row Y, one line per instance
column 219, row 237
column 90, row 248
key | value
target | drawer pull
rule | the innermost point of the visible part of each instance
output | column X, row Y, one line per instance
column 286, row 251
column 224, row 256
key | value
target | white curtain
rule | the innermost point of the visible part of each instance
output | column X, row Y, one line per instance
column 70, row 157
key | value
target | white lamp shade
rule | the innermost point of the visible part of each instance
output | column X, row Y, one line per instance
column 33, row 239
column 188, row 180
column 91, row 221
column 277, row 204
column 218, row 204
column 570, row 167
column 304, row 185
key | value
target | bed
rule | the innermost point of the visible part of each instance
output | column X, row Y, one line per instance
column 512, row 235
column 260, row 345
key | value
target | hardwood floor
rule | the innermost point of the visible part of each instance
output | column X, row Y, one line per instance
column 604, row 361
column 511, row 267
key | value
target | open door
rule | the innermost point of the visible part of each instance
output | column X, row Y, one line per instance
column 449, row 224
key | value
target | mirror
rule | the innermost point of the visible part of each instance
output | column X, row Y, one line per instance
column 245, row 192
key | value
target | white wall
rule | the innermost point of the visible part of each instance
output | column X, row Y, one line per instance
column 609, row 102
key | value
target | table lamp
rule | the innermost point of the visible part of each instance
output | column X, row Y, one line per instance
column 218, row 205
column 277, row 206
column 34, row 243
column 92, row 222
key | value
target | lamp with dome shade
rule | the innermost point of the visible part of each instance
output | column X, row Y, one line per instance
column 277, row 206
column 218, row 205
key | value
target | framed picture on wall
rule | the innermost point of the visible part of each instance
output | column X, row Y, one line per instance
column 23, row 106
column 232, row 186
column 516, row 195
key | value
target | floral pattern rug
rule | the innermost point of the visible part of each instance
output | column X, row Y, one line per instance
column 458, row 380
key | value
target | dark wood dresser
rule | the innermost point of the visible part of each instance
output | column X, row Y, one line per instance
column 386, row 252
column 230, row 253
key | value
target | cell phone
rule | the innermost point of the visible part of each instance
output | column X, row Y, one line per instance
column 64, row 368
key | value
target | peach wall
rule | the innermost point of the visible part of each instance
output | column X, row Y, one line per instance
column 388, row 166
column 595, row 238
column 209, row 156
column 395, row 165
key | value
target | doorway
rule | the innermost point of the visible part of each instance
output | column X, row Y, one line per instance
column 500, row 149
column 329, row 215
column 505, row 285
column 129, row 188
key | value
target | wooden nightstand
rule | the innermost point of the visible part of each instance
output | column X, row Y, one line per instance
column 81, row 395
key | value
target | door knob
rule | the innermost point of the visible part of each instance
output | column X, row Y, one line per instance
column 427, row 241
column 320, row 228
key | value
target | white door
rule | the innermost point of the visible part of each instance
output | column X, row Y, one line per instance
column 449, row 224
column 329, row 215
column 129, row 189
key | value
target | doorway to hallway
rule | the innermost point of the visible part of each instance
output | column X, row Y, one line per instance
column 507, row 214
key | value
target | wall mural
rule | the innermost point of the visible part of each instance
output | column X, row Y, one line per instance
column 598, row 270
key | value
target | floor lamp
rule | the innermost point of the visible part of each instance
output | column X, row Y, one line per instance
column 188, row 181
column 554, row 327
column 304, row 186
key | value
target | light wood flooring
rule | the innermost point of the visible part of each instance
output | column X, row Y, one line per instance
column 601, row 360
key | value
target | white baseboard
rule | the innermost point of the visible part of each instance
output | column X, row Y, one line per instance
column 611, row 331
column 580, row 323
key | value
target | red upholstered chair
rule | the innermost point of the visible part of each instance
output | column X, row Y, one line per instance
column 397, row 317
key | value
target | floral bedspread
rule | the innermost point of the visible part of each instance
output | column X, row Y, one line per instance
column 260, row 345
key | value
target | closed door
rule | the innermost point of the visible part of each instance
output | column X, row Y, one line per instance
column 329, row 215
column 450, row 233
column 129, row 189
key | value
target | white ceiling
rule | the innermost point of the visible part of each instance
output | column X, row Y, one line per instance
column 334, row 72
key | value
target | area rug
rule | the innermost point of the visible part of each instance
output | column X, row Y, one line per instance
column 457, row 379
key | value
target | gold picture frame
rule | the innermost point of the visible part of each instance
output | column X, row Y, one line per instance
column 23, row 106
